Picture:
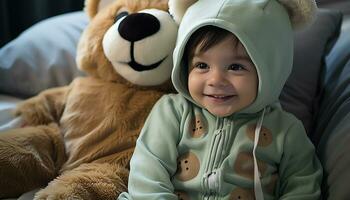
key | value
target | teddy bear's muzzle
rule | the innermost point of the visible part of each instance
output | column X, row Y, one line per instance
column 138, row 26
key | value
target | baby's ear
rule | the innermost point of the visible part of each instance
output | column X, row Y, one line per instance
column 301, row 12
column 177, row 8
column 92, row 7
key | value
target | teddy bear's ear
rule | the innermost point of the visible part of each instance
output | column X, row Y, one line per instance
column 92, row 7
column 177, row 8
column 301, row 12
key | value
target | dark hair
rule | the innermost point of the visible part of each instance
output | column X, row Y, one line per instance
column 205, row 37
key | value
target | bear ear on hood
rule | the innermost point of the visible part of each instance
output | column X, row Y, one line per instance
column 92, row 7
column 177, row 8
column 301, row 12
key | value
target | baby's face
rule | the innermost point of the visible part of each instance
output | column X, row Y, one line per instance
column 223, row 79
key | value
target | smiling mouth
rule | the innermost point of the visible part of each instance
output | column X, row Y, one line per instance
column 220, row 97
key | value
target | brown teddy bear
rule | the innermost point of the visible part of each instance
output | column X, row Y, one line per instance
column 78, row 139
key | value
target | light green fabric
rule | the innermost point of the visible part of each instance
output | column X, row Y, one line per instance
column 167, row 136
column 264, row 29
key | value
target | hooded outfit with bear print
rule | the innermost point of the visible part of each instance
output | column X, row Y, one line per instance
column 259, row 152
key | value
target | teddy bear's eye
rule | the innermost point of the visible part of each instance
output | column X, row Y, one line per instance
column 120, row 15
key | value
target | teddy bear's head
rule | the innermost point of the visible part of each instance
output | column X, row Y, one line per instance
column 129, row 42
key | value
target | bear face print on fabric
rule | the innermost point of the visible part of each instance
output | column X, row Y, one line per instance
column 188, row 167
column 244, row 165
column 198, row 127
column 265, row 137
column 242, row 194
column 271, row 185
column 182, row 195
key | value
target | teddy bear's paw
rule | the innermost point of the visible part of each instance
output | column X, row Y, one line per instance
column 78, row 189
column 58, row 193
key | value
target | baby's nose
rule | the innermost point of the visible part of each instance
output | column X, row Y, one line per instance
column 218, row 79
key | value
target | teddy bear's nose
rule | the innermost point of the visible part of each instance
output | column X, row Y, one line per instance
column 137, row 26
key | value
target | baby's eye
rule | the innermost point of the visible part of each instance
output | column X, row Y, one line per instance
column 236, row 67
column 201, row 66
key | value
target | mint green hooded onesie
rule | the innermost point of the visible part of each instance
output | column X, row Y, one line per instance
column 260, row 152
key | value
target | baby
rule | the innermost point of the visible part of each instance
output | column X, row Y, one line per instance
column 225, row 135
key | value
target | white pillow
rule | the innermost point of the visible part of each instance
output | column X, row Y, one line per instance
column 43, row 56
column 7, row 105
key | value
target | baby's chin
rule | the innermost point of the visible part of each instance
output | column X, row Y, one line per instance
column 224, row 111
column 221, row 113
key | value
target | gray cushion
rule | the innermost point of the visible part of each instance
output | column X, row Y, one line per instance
column 299, row 96
column 333, row 122
column 41, row 57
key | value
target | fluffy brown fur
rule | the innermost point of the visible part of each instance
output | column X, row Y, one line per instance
column 80, row 137
column 29, row 158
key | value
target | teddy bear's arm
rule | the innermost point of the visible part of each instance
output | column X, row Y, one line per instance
column 44, row 108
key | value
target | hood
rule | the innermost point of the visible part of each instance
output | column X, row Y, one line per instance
column 262, row 26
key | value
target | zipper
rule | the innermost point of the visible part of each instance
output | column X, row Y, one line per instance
column 211, row 178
